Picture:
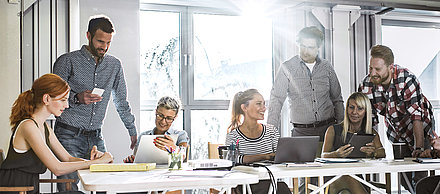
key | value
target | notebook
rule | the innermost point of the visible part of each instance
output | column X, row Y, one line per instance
column 298, row 149
column 122, row 167
column 147, row 152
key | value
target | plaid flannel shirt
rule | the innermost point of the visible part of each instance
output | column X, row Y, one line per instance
column 402, row 103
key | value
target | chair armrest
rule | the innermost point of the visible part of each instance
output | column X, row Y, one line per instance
column 57, row 181
column 67, row 181
column 17, row 189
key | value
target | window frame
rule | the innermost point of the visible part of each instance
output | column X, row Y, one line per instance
column 186, row 79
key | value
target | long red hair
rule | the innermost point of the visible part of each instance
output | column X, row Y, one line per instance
column 26, row 103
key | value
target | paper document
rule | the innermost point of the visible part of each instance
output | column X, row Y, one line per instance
column 307, row 164
column 427, row 160
column 336, row 160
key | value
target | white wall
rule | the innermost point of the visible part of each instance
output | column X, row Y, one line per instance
column 9, row 65
column 125, row 46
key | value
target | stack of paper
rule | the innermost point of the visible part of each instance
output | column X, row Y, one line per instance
column 307, row 164
column 427, row 160
column 122, row 167
column 336, row 160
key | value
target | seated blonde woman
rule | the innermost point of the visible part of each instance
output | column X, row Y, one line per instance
column 357, row 119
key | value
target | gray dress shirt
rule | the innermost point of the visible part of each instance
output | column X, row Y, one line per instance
column 313, row 96
column 78, row 68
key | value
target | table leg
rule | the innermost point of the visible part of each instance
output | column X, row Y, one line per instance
column 399, row 191
column 411, row 190
column 320, row 182
column 367, row 183
column 326, row 184
column 248, row 186
column 223, row 190
column 244, row 187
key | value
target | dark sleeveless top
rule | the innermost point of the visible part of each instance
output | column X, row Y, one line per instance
column 22, row 169
column 339, row 141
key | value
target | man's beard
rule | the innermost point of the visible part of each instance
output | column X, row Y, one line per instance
column 381, row 79
column 94, row 51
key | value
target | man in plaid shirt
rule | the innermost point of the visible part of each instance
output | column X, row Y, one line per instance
column 395, row 93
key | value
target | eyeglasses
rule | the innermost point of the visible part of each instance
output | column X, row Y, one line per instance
column 160, row 117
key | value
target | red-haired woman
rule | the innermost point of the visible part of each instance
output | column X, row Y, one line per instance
column 33, row 146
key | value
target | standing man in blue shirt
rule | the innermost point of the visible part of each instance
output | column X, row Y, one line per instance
column 79, row 127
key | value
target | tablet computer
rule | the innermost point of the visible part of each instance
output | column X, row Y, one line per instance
column 147, row 152
column 357, row 141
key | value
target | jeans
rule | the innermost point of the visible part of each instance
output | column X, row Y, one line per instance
column 78, row 145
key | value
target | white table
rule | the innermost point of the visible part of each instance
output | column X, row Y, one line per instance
column 159, row 180
column 339, row 169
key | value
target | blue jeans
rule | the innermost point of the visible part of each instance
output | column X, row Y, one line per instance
column 78, row 145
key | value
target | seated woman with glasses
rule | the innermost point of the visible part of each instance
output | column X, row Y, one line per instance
column 166, row 112
column 357, row 120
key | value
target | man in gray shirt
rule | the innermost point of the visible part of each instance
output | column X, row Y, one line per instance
column 312, row 87
column 79, row 127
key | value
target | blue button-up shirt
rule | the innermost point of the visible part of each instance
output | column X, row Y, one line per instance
column 79, row 69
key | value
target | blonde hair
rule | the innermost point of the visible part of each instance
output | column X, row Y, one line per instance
column 236, row 112
column 363, row 102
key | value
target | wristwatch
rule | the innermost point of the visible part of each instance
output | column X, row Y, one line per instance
column 75, row 99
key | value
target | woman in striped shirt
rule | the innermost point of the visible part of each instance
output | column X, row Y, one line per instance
column 255, row 141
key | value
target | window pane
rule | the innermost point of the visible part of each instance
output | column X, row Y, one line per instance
column 160, row 54
column 419, row 54
column 207, row 126
column 231, row 53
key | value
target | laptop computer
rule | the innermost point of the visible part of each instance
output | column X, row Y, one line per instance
column 298, row 149
column 147, row 152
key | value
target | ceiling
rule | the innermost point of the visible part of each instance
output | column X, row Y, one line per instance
column 431, row 5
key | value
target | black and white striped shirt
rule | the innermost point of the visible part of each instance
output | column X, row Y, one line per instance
column 266, row 143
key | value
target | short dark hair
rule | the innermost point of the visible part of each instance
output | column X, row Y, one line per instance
column 311, row 32
column 100, row 22
column 383, row 52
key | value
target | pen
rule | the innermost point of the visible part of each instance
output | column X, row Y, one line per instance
column 168, row 150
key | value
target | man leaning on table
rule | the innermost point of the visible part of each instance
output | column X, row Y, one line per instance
column 395, row 93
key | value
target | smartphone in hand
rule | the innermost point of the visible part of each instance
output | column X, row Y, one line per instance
column 98, row 91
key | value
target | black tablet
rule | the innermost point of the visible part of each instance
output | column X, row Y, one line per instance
column 358, row 141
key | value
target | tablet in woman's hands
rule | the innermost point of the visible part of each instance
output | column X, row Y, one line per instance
column 358, row 141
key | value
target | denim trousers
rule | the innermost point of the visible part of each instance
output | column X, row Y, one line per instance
column 78, row 145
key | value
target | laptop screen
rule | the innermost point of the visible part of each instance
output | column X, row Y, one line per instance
column 298, row 149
